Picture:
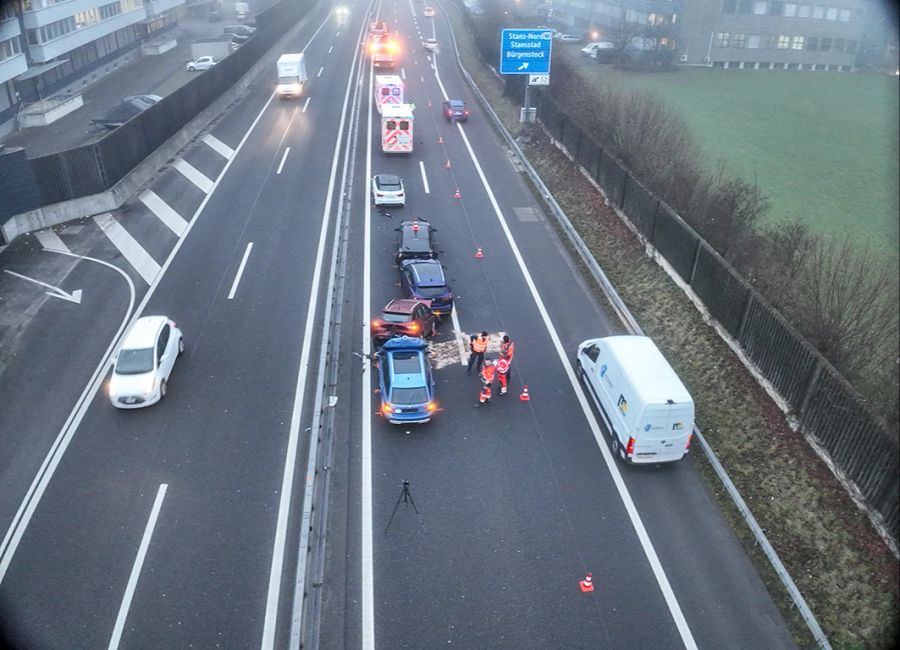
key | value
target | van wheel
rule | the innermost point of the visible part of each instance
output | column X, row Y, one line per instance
column 163, row 387
column 615, row 447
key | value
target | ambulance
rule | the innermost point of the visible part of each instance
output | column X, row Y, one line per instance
column 396, row 128
column 388, row 90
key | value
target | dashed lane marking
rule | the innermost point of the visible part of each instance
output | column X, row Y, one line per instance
column 194, row 175
column 164, row 211
column 220, row 147
column 51, row 241
column 131, row 250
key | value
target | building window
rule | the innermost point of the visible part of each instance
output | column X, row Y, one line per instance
column 797, row 43
column 722, row 39
column 825, row 45
column 775, row 7
column 831, row 14
column 10, row 48
column 838, row 45
column 784, row 42
column 759, row 7
column 844, row 16
column 803, row 11
column 851, row 47
column 812, row 43
column 728, row 6
column 745, row 7
column 790, row 10
column 738, row 40
column 33, row 38
column 818, row 12
column 753, row 42
column 769, row 41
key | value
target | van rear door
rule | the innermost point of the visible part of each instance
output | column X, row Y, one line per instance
column 663, row 432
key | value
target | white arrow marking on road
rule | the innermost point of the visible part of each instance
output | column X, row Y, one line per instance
column 56, row 292
column 524, row 66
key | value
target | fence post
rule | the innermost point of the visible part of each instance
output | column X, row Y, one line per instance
column 744, row 317
column 813, row 383
column 694, row 262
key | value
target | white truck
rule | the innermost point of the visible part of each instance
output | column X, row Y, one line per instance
column 648, row 411
column 291, row 69
column 388, row 90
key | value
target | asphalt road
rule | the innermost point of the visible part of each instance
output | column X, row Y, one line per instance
column 516, row 501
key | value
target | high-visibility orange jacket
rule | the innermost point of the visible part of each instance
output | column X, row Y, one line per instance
column 479, row 344
column 488, row 374
column 508, row 350
column 502, row 366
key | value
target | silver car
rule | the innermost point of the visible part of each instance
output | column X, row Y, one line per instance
column 387, row 189
column 203, row 63
column 144, row 362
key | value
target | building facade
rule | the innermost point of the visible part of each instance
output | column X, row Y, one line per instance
column 770, row 34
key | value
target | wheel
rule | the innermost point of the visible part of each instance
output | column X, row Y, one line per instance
column 180, row 346
column 191, row 68
column 163, row 388
column 581, row 374
column 614, row 445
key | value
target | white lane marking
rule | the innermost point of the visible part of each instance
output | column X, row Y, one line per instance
column 403, row 73
column 305, row 104
column 338, row 34
column 220, row 147
column 321, row 70
column 460, row 337
column 194, row 175
column 240, row 271
column 131, row 250
column 330, row 49
column 287, row 150
column 54, row 292
column 309, row 331
column 424, row 177
column 136, row 568
column 659, row 573
column 164, row 211
column 48, row 239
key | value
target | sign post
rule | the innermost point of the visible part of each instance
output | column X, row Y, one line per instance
column 526, row 51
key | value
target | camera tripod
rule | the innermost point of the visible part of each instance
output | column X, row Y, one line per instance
column 407, row 500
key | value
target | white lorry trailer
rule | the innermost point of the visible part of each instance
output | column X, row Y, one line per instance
column 291, row 69
column 648, row 411
column 388, row 90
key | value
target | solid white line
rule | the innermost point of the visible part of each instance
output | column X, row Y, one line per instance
column 338, row 34
column 305, row 104
column 290, row 458
column 424, row 177
column 649, row 551
column 136, row 568
column 220, row 147
column 403, row 73
column 194, row 175
column 164, row 211
column 287, row 150
column 460, row 340
column 49, row 240
column 240, row 271
column 322, row 69
column 330, row 49
column 131, row 250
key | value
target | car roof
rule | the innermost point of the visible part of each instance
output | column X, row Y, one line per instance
column 455, row 102
column 428, row 273
column 143, row 333
column 389, row 179
column 401, row 306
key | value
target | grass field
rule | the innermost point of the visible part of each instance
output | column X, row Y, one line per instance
column 823, row 146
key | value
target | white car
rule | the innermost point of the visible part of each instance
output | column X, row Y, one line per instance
column 431, row 44
column 144, row 362
column 387, row 189
column 203, row 63
column 568, row 38
column 428, row 12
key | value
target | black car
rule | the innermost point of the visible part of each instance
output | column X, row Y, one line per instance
column 416, row 241
column 455, row 109
column 424, row 280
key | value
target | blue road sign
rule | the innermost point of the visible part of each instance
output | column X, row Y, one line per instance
column 525, row 51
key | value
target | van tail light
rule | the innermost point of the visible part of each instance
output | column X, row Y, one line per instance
column 690, row 439
column 629, row 450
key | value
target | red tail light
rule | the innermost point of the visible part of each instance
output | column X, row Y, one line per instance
column 629, row 450
column 467, row 112
column 376, row 323
column 413, row 328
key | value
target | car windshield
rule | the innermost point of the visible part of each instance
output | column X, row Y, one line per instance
column 457, row 105
column 407, row 396
column 134, row 362
column 432, row 292
column 395, row 318
column 388, row 183
column 406, row 363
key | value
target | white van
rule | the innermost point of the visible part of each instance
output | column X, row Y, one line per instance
column 591, row 49
column 648, row 411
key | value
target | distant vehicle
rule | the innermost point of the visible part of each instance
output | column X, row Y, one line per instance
column 203, row 63
column 378, row 27
column 405, row 381
column 404, row 317
column 144, row 362
column 647, row 410
column 384, row 51
column 568, row 38
column 396, row 128
column 424, row 280
column 389, row 89
column 592, row 48
column 125, row 110
column 291, row 75
column 241, row 9
column 387, row 189
column 431, row 44
column 239, row 33
column 455, row 109
column 416, row 241
column 428, row 12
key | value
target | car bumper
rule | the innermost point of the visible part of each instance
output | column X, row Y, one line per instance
column 390, row 200
column 134, row 401
column 411, row 419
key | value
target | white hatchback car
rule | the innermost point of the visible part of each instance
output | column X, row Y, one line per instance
column 429, row 12
column 431, row 44
column 387, row 189
column 203, row 63
column 144, row 362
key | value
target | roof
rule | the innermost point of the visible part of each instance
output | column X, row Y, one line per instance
column 388, row 80
column 428, row 273
column 396, row 110
column 143, row 333
column 404, row 343
column 652, row 376
column 401, row 306
column 290, row 58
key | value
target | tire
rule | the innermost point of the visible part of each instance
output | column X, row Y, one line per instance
column 614, row 445
column 191, row 68
column 180, row 346
column 581, row 374
column 163, row 388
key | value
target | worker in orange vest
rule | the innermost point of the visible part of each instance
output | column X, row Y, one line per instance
column 488, row 373
column 477, row 347
column 502, row 373
column 507, row 348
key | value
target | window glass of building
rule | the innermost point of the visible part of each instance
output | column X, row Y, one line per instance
column 776, row 7
column 759, row 7
column 803, row 11
column 790, row 10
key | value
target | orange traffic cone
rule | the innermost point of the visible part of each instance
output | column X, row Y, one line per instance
column 478, row 252
column 525, row 398
column 587, row 584
column 440, row 139
column 456, row 194
column 447, row 165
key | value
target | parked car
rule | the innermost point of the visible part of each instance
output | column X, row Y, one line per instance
column 404, row 317
column 144, row 362
column 405, row 381
column 239, row 33
column 568, row 38
column 125, row 110
column 431, row 44
column 593, row 48
column 455, row 109
column 424, row 280
column 203, row 63
column 416, row 241
column 387, row 189
column 428, row 12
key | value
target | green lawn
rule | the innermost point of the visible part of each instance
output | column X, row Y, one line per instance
column 822, row 145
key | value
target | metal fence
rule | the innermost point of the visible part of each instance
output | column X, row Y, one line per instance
column 863, row 449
